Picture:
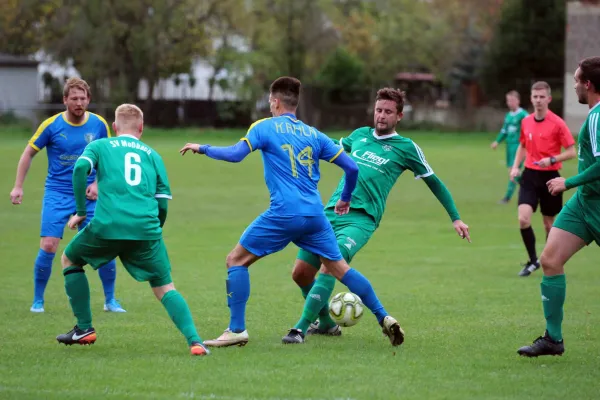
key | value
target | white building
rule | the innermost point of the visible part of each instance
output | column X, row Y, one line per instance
column 18, row 85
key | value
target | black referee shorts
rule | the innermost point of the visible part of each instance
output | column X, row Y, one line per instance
column 533, row 191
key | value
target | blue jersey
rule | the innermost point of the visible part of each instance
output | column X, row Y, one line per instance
column 291, row 151
column 64, row 144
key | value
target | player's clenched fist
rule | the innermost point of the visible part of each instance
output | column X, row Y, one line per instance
column 195, row 148
column 16, row 195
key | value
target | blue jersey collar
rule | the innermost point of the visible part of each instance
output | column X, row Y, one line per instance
column 288, row 115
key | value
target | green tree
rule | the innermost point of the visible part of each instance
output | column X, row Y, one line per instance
column 20, row 22
column 528, row 44
column 115, row 44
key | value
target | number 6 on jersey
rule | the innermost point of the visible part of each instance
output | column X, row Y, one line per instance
column 133, row 171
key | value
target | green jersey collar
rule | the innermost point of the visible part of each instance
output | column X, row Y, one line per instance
column 389, row 135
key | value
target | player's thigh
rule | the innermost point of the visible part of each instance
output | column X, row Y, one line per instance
column 56, row 210
column 572, row 219
column 318, row 238
column 147, row 261
column 560, row 246
column 352, row 231
column 268, row 234
column 528, row 193
column 85, row 248
column 308, row 258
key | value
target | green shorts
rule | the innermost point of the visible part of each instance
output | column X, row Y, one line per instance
column 352, row 231
column 145, row 260
column 511, row 152
column 581, row 218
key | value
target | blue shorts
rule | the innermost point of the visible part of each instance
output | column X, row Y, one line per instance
column 57, row 208
column 270, row 233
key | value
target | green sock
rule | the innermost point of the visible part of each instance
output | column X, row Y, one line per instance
column 78, row 290
column 316, row 300
column 510, row 190
column 306, row 289
column 180, row 313
column 554, row 290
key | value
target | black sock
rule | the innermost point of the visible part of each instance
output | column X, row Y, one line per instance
column 529, row 240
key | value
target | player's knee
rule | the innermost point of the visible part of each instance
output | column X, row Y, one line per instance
column 524, row 221
column 230, row 260
column 303, row 274
column 65, row 262
column 49, row 244
column 551, row 262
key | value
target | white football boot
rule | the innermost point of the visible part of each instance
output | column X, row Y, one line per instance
column 228, row 338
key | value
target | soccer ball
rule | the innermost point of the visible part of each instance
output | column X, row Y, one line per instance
column 346, row 309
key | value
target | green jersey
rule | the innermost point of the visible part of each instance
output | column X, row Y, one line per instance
column 381, row 160
column 589, row 151
column 511, row 129
column 131, row 177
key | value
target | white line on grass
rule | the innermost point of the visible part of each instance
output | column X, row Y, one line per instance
column 147, row 395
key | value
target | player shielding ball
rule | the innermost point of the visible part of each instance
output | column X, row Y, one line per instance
column 382, row 155
column 291, row 151
column 578, row 223
column 543, row 133
column 511, row 131
column 65, row 136
column 132, row 208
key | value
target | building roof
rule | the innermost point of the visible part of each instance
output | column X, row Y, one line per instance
column 9, row 60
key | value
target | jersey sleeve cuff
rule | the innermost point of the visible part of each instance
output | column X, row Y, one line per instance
column 33, row 146
column 248, row 143
column 337, row 155
column 163, row 196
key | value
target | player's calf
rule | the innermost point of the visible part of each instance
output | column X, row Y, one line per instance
column 78, row 336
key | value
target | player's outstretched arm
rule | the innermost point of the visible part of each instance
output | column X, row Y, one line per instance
column 235, row 153
column 351, row 169
column 444, row 196
column 16, row 194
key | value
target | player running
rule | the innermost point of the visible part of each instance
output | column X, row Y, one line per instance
column 382, row 155
column 291, row 151
column 65, row 136
column 132, row 208
column 578, row 223
column 543, row 133
column 510, row 132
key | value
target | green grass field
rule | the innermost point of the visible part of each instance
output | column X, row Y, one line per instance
column 463, row 307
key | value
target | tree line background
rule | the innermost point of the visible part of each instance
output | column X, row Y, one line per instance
column 342, row 50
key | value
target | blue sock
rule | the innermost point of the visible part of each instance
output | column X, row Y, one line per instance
column 238, row 292
column 359, row 285
column 41, row 273
column 108, row 276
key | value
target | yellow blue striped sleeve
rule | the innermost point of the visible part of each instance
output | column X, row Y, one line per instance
column 108, row 134
column 41, row 137
column 253, row 138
